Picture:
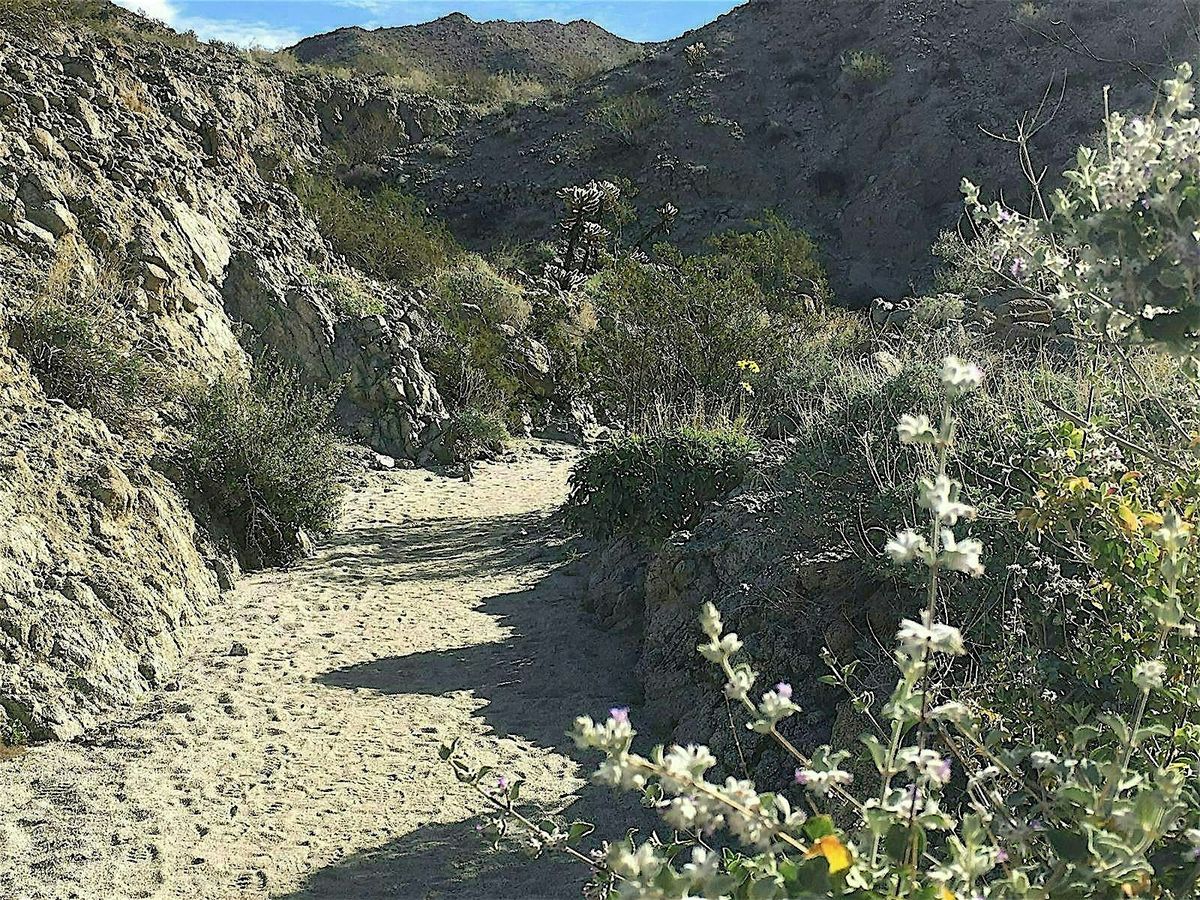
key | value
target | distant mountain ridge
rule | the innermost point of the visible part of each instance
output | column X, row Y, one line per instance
column 854, row 119
column 458, row 45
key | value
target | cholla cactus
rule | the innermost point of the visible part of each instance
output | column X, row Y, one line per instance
column 696, row 55
column 584, row 235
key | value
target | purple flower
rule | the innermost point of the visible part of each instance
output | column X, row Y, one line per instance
column 784, row 690
column 943, row 772
column 502, row 782
column 801, row 777
column 1018, row 268
column 1001, row 855
column 620, row 713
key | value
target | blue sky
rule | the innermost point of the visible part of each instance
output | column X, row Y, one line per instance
column 279, row 23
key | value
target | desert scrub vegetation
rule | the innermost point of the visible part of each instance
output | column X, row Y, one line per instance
column 386, row 233
column 353, row 297
column 673, row 328
column 646, row 486
column 79, row 344
column 1086, row 459
column 867, row 66
column 627, row 118
column 263, row 458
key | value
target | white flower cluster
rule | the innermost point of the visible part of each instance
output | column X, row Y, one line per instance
column 1121, row 244
column 824, row 772
column 940, row 495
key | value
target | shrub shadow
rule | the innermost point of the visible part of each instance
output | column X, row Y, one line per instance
column 554, row 665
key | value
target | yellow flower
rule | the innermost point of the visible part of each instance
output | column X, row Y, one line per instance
column 833, row 850
column 944, row 893
column 749, row 365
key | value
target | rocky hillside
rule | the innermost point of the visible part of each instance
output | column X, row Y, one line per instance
column 456, row 45
column 855, row 119
column 138, row 160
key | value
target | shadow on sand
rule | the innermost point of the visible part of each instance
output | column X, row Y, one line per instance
column 555, row 665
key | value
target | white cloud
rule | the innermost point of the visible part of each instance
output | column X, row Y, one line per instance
column 240, row 32
column 244, row 33
column 163, row 10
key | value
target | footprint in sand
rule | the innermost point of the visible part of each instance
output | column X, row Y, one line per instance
column 308, row 768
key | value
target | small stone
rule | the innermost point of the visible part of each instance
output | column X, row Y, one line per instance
column 238, row 649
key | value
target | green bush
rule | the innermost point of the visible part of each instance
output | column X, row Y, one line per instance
column 628, row 117
column 353, row 297
column 82, row 352
column 782, row 260
column 386, row 233
column 476, row 313
column 264, row 458
column 473, row 430
column 867, row 65
column 647, row 486
column 673, row 331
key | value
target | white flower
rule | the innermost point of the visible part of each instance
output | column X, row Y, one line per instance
column 1042, row 759
column 916, row 430
column 940, row 496
column 710, row 621
column 961, row 556
column 913, row 637
column 740, row 682
column 959, row 378
column 1148, row 675
column 776, row 704
column 908, row 546
column 614, row 736
column 719, row 649
column 681, row 814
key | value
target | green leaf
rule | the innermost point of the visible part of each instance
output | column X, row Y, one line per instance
column 899, row 839
column 818, row 827
column 1069, row 845
column 579, row 830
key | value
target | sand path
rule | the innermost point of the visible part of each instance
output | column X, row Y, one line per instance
column 306, row 766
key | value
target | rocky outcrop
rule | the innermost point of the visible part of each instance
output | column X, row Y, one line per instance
column 150, row 156
column 100, row 565
column 785, row 602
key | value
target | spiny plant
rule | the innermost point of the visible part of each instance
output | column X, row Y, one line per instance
column 583, row 234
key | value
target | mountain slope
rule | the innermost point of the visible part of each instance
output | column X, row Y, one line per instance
column 455, row 45
column 777, row 112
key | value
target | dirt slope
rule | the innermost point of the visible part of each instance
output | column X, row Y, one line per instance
column 771, row 119
column 296, row 756
column 456, row 45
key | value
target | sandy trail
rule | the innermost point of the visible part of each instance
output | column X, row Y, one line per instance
column 308, row 766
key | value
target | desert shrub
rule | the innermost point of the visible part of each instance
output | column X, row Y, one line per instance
column 473, row 289
column 84, row 350
column 353, row 298
column 676, row 327
column 479, row 317
column 784, row 262
column 473, row 430
column 386, row 233
column 627, row 118
column 647, row 486
column 867, row 66
column 264, row 459
column 976, row 265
